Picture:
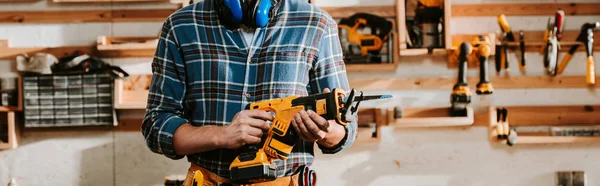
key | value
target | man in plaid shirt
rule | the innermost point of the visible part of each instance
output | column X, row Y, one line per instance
column 205, row 74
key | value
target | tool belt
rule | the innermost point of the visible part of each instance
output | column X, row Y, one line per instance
column 305, row 177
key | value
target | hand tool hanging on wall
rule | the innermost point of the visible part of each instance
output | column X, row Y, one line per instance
column 369, row 46
column 508, row 37
column 503, row 130
column 461, row 94
column 522, row 47
column 586, row 37
column 551, row 49
column 482, row 43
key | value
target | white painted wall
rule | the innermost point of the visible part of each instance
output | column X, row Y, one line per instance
column 440, row 157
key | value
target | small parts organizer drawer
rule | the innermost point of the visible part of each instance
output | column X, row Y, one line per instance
column 65, row 100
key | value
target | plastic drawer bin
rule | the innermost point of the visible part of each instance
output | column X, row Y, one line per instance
column 46, row 91
column 104, row 79
column 62, row 120
column 104, row 89
column 46, row 110
column 30, row 81
column 90, row 79
column 90, row 89
column 46, row 100
column 90, row 99
column 33, row 121
column 30, row 91
column 105, row 109
column 75, row 100
column 75, row 80
column 47, row 120
column 104, row 98
column 76, row 120
column 61, row 110
column 61, row 92
column 59, row 101
column 46, row 81
column 75, row 90
column 32, row 101
column 32, row 112
column 75, row 110
column 91, row 119
column 90, row 109
column 61, row 81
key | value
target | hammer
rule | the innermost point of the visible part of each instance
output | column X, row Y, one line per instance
column 586, row 36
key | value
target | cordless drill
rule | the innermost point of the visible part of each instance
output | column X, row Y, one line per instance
column 586, row 36
column 482, row 43
column 254, row 164
column 461, row 94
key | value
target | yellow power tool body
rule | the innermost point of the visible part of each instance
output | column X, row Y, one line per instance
column 381, row 29
column 254, row 164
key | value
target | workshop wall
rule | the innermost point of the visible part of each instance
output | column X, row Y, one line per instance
column 440, row 157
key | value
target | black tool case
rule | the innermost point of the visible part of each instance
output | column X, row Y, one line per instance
column 68, row 100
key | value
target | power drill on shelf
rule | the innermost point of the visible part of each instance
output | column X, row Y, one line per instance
column 369, row 45
column 255, row 163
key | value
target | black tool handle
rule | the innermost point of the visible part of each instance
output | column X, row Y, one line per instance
column 498, row 58
column 483, row 69
column 522, row 47
column 463, row 56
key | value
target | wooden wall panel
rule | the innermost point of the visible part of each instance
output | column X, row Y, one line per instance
column 342, row 12
column 77, row 16
column 546, row 9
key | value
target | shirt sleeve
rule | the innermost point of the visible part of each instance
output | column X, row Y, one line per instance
column 164, row 112
column 329, row 71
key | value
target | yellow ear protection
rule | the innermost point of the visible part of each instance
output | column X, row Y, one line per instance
column 252, row 13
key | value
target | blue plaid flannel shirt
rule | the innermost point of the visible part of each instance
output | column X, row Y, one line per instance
column 203, row 74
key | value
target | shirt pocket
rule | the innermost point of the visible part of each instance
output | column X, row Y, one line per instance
column 284, row 72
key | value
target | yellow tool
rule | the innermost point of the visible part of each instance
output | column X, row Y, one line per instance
column 482, row 43
column 461, row 94
column 367, row 43
column 431, row 3
column 255, row 164
column 198, row 179
column 586, row 36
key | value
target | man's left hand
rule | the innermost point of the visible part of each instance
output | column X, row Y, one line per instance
column 311, row 127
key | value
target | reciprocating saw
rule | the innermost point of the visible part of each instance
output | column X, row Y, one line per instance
column 254, row 164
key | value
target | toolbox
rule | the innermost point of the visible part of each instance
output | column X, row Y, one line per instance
column 67, row 100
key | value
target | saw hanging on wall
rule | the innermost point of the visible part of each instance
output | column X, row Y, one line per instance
column 359, row 47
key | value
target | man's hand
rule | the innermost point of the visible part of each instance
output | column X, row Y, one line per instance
column 312, row 127
column 247, row 127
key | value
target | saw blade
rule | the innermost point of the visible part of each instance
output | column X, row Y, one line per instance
column 371, row 97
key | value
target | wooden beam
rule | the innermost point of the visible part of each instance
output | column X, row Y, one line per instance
column 439, row 83
column 343, row 12
column 545, row 9
column 11, row 53
column 432, row 117
column 85, row 16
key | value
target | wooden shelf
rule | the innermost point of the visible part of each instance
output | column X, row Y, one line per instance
column 432, row 117
column 545, row 9
column 440, row 83
column 343, row 12
column 11, row 53
column 369, row 124
column 107, row 1
column 132, row 93
column 422, row 52
column 13, row 132
column 528, row 116
column 126, row 46
column 78, row 16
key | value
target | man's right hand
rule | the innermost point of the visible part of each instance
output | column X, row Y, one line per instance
column 247, row 127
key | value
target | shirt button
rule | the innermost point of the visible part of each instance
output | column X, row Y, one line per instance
column 250, row 61
column 247, row 95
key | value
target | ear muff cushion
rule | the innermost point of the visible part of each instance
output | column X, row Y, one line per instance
column 235, row 8
column 230, row 12
column 262, row 12
column 259, row 12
